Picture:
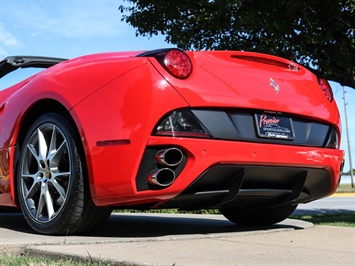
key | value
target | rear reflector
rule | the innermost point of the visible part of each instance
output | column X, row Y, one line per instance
column 326, row 89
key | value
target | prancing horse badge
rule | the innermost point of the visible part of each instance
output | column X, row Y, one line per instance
column 274, row 85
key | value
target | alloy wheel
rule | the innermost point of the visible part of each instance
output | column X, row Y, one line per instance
column 45, row 173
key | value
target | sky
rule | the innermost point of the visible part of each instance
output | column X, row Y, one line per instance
column 71, row 28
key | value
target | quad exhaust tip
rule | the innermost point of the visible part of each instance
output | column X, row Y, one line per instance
column 169, row 157
column 161, row 177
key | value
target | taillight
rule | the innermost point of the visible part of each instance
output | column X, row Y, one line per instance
column 178, row 63
column 326, row 89
column 175, row 61
column 181, row 123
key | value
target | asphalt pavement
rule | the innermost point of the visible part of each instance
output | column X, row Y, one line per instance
column 179, row 239
column 337, row 203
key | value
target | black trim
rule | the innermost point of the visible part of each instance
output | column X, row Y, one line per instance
column 239, row 125
column 156, row 52
column 253, row 186
column 12, row 63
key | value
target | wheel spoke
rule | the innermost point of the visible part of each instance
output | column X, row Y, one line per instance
column 56, row 154
column 32, row 149
column 42, row 146
column 61, row 191
column 55, row 151
column 40, row 207
column 60, row 175
column 49, row 203
column 52, row 144
column 45, row 203
column 30, row 191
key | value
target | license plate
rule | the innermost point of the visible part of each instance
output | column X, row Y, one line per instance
column 274, row 126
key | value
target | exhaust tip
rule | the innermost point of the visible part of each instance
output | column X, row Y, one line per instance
column 161, row 177
column 169, row 157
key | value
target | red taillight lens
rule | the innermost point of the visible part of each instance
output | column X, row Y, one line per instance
column 174, row 60
column 178, row 63
column 327, row 90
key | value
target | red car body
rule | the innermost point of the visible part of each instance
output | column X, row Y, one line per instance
column 244, row 160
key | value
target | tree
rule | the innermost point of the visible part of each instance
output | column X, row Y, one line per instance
column 318, row 34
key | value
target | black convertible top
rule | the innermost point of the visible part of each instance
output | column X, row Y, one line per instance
column 12, row 63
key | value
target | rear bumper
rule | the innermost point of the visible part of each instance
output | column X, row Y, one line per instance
column 216, row 173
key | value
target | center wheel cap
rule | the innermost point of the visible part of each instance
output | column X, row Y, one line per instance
column 47, row 173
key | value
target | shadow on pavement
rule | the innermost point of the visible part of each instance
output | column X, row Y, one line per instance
column 16, row 222
column 129, row 225
column 147, row 225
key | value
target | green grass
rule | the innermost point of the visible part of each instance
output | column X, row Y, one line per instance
column 345, row 188
column 171, row 211
column 343, row 219
column 29, row 260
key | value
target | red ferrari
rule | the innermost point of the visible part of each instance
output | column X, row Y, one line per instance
column 250, row 134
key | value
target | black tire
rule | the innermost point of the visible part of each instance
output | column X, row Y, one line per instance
column 52, row 184
column 265, row 216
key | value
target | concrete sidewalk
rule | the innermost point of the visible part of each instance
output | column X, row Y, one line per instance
column 156, row 239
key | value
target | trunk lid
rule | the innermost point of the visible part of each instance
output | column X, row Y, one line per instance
column 254, row 81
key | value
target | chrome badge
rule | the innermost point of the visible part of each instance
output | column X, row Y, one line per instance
column 274, row 85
